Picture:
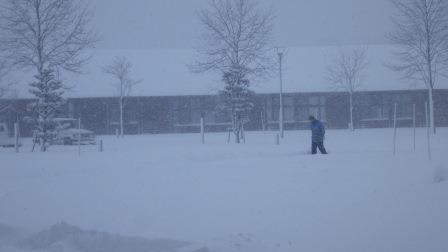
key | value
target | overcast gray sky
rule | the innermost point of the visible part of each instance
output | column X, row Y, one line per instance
column 173, row 23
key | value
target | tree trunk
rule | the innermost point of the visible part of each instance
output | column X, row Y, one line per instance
column 431, row 110
column 43, row 147
column 237, row 132
column 43, row 127
column 236, row 128
column 237, row 136
column 121, row 117
column 352, row 127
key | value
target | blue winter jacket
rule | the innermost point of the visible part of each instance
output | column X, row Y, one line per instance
column 318, row 131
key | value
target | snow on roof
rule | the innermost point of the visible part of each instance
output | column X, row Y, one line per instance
column 165, row 72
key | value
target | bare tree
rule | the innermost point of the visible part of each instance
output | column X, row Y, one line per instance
column 46, row 34
column 422, row 32
column 120, row 70
column 346, row 73
column 236, row 39
column 49, row 36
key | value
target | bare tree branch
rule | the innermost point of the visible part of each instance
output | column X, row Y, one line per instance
column 422, row 32
column 346, row 70
column 237, row 34
column 120, row 69
column 48, row 34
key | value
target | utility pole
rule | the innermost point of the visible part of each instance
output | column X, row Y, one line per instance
column 414, row 125
column 16, row 137
column 202, row 130
column 281, row 123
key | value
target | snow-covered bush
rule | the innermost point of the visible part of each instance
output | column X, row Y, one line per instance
column 65, row 237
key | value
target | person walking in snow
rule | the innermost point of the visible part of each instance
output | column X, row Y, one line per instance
column 317, row 136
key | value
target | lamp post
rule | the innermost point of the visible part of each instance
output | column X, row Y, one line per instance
column 281, row 123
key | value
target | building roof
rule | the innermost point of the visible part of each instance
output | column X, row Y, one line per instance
column 166, row 73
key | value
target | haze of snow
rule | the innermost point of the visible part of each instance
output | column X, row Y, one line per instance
column 166, row 73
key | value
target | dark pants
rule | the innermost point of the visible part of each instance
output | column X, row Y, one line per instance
column 319, row 145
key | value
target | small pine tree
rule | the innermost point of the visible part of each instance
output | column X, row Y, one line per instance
column 48, row 91
column 237, row 99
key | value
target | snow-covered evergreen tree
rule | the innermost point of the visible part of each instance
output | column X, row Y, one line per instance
column 48, row 91
column 237, row 100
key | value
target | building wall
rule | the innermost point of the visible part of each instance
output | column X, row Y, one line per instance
column 441, row 107
column 182, row 113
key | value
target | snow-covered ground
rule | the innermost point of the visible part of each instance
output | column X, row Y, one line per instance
column 225, row 197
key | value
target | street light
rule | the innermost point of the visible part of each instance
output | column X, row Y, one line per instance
column 281, row 123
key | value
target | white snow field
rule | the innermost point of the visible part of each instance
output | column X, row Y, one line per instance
column 253, row 197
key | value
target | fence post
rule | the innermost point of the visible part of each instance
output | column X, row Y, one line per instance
column 414, row 124
column 202, row 131
column 101, row 145
column 263, row 124
column 277, row 139
column 16, row 137
column 428, row 129
column 79, row 136
column 395, row 129
column 243, row 134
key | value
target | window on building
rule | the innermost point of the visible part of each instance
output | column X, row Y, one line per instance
column 273, row 109
column 314, row 101
column 71, row 110
column 131, row 115
column 375, row 112
column 297, row 109
column 289, row 109
column 196, row 110
column 183, row 112
column 323, row 114
column 209, row 117
column 196, row 116
column 302, row 114
column 114, row 115
column 405, row 107
column 209, row 107
column 323, row 101
column 221, row 116
column 302, row 101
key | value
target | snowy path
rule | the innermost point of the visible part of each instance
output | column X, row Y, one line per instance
column 358, row 198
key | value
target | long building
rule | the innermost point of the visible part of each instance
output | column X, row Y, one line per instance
column 169, row 114
column 172, row 99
